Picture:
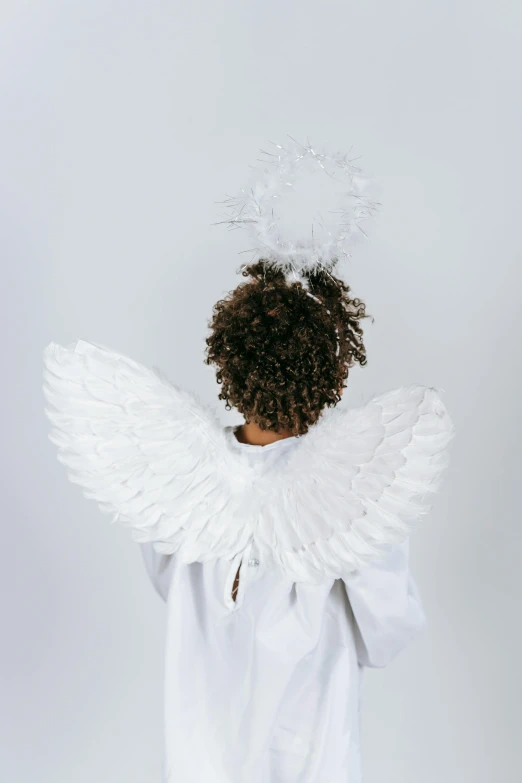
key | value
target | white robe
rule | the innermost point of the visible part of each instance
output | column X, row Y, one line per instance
column 266, row 689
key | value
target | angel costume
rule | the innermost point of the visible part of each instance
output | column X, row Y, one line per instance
column 264, row 688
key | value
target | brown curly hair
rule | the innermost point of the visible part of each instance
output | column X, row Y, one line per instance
column 283, row 349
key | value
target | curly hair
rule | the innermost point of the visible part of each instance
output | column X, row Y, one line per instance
column 283, row 349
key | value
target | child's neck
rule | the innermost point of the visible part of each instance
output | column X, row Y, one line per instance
column 253, row 434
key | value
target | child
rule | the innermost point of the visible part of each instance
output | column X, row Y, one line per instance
column 280, row 545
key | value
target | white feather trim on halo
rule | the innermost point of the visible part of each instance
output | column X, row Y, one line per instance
column 158, row 460
column 255, row 209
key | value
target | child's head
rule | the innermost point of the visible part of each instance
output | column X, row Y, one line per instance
column 282, row 355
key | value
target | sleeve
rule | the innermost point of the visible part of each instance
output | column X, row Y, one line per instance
column 386, row 606
column 159, row 568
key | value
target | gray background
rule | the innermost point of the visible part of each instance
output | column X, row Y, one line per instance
column 122, row 124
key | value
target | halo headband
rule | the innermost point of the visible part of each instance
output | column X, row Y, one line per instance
column 254, row 209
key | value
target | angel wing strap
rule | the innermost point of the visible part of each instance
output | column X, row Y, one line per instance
column 158, row 460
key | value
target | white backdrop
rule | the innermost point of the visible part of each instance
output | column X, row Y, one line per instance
column 122, row 123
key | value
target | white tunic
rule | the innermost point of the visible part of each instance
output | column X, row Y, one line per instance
column 266, row 689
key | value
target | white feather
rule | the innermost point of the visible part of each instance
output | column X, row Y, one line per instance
column 160, row 462
column 255, row 209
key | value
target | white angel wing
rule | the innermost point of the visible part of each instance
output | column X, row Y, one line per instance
column 148, row 452
column 158, row 460
column 358, row 482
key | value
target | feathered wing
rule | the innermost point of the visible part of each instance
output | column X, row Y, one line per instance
column 359, row 481
column 148, row 452
column 161, row 463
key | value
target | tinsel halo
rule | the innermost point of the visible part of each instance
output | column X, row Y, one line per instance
column 254, row 209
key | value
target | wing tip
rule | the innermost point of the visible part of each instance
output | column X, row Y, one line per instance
column 53, row 349
column 434, row 399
